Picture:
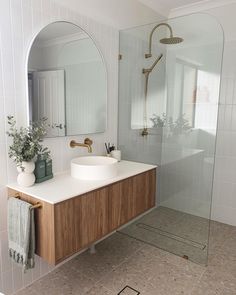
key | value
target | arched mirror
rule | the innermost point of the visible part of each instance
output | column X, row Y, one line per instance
column 67, row 81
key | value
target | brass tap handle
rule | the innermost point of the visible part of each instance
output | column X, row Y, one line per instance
column 73, row 144
column 88, row 141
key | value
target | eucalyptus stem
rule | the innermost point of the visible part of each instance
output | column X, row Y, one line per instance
column 26, row 141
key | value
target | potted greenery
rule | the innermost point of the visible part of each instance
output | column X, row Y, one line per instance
column 26, row 145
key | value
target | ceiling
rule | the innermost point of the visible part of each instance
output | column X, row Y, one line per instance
column 168, row 7
column 119, row 14
column 165, row 6
column 123, row 14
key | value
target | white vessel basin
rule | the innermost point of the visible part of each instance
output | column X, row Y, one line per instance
column 93, row 168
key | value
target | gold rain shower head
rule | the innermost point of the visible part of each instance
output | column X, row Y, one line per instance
column 147, row 71
column 170, row 41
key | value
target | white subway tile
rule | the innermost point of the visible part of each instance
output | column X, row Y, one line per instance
column 3, row 211
column 27, row 23
column 223, row 193
column 36, row 269
column 7, row 281
column 1, row 285
column 27, row 277
column 46, row 8
column 44, row 268
column 17, row 278
column 5, row 259
column 233, row 118
column 223, row 89
column 37, row 5
column 219, row 214
column 229, row 91
column 225, row 169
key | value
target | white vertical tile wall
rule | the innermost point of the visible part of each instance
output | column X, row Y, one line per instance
column 224, row 186
column 20, row 21
column 224, row 189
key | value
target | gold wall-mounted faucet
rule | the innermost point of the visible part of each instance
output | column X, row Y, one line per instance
column 87, row 143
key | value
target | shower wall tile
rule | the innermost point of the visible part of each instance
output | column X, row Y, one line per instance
column 225, row 169
column 20, row 21
column 1, row 285
column 6, row 262
column 3, row 211
column 7, row 285
column 226, row 143
column 224, row 187
column 17, row 277
column 27, row 278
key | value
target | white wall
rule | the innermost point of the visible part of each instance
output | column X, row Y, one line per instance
column 187, row 157
column 224, row 185
column 20, row 21
column 224, row 190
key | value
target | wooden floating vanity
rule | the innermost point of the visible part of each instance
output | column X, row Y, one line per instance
column 77, row 213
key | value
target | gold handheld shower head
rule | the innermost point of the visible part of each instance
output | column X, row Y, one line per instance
column 171, row 40
column 149, row 70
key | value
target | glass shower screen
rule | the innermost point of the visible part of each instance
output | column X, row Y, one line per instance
column 180, row 114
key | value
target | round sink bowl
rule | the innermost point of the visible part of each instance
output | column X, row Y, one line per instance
column 93, row 168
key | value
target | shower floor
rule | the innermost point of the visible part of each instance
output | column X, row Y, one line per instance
column 180, row 233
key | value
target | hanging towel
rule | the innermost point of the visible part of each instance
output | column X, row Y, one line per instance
column 21, row 232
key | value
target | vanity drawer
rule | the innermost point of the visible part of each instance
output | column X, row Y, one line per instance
column 80, row 221
column 131, row 197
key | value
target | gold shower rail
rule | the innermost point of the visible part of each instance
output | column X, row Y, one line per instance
column 37, row 205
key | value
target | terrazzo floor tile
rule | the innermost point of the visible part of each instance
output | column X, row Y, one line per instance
column 121, row 260
column 162, row 217
column 135, row 272
column 27, row 291
column 151, row 272
column 138, row 233
column 172, row 279
column 174, row 231
column 109, row 254
column 214, row 282
column 62, row 282
column 191, row 227
column 219, row 233
column 224, row 258
column 98, row 289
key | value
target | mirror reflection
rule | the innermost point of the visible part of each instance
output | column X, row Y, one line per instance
column 67, row 81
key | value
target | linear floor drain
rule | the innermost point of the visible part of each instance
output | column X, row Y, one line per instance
column 171, row 236
column 127, row 290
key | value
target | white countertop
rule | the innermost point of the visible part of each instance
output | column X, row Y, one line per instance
column 63, row 186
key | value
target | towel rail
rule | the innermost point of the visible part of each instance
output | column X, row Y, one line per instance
column 37, row 205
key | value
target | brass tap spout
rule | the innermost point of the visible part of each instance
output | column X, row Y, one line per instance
column 87, row 143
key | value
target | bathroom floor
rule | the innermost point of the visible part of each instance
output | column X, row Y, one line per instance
column 124, row 263
column 180, row 233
